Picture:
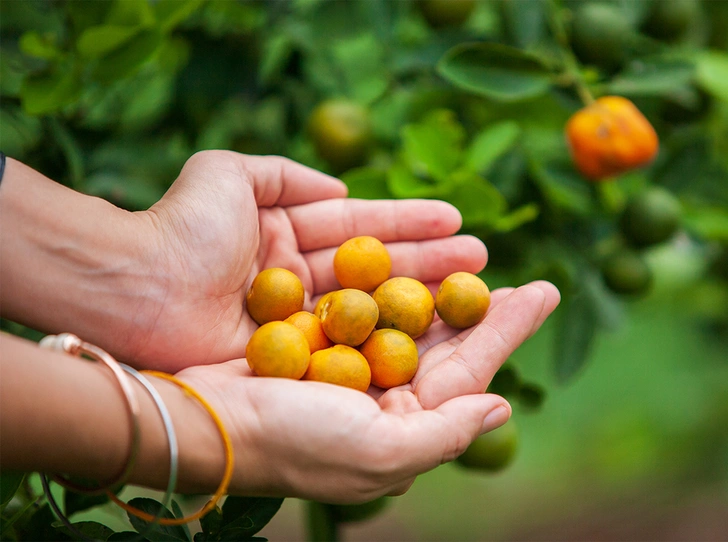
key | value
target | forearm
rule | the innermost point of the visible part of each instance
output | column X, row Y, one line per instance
column 59, row 413
column 71, row 262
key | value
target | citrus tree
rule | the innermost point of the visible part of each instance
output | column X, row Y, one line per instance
column 584, row 141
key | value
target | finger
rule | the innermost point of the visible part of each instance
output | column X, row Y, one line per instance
column 553, row 298
column 327, row 224
column 429, row 438
column 470, row 368
column 427, row 261
column 283, row 182
column 440, row 332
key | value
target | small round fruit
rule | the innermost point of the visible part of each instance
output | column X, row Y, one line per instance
column 349, row 316
column 441, row 13
column 312, row 329
column 341, row 132
column 669, row 20
column 278, row 349
column 653, row 216
column 275, row 294
column 405, row 304
column 320, row 303
column 341, row 365
column 492, row 451
column 362, row 262
column 627, row 273
column 601, row 35
column 462, row 300
column 392, row 357
column 349, row 513
column 610, row 136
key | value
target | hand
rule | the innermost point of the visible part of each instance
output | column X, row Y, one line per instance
column 228, row 216
column 328, row 443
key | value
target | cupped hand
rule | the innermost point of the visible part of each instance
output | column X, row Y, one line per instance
column 328, row 443
column 228, row 216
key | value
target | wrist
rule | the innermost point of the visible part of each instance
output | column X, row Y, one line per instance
column 59, row 274
column 201, row 451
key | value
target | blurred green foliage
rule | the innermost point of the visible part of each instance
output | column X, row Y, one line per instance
column 111, row 97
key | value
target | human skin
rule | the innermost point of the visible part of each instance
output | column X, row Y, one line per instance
column 290, row 438
column 168, row 284
column 165, row 289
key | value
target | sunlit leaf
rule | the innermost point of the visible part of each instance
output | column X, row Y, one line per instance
column 496, row 71
column 490, row 144
column 712, row 73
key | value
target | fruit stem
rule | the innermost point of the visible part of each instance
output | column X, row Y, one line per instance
column 571, row 74
column 322, row 526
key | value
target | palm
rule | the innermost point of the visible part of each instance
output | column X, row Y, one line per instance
column 368, row 445
column 228, row 216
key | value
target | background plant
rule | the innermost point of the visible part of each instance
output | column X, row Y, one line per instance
column 467, row 105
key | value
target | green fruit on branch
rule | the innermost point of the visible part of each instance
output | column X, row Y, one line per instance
column 492, row 451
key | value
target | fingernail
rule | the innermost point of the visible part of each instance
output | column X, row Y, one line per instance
column 496, row 417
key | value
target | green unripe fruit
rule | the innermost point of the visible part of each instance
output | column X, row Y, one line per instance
column 669, row 20
column 627, row 273
column 600, row 35
column 441, row 13
column 341, row 133
column 651, row 217
column 492, row 451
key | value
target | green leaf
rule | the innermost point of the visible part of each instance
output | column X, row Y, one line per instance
column 128, row 58
column 33, row 44
column 48, row 93
column 495, row 71
column 157, row 532
column 367, row 183
column 490, row 144
column 126, row 190
column 9, row 483
column 562, row 187
column 361, row 60
column 707, row 222
column 177, row 511
column 77, row 502
column 91, row 529
column 245, row 516
column 126, row 536
column 712, row 73
column 525, row 21
column 656, row 77
column 276, row 52
column 131, row 13
column 402, row 183
column 170, row 13
column 479, row 202
column 211, row 522
column 517, row 218
column 19, row 133
column 98, row 41
column 577, row 328
column 434, row 147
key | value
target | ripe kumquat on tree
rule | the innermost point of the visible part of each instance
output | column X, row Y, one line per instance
column 610, row 136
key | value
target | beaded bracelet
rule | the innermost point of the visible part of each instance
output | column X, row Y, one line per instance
column 66, row 342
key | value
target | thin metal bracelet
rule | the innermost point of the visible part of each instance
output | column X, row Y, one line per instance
column 173, row 462
column 69, row 343
column 2, row 166
column 171, row 437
